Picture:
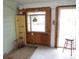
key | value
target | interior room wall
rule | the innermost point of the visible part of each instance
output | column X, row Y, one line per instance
column 9, row 35
column 53, row 6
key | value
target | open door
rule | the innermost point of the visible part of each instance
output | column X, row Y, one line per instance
column 20, row 29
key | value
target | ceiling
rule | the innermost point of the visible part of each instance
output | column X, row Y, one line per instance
column 22, row 2
column 32, row 1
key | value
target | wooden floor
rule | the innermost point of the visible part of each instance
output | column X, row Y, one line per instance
column 22, row 53
column 43, row 52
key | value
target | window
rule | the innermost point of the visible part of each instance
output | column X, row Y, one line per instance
column 36, row 21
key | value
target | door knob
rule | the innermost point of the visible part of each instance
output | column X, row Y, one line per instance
column 32, row 33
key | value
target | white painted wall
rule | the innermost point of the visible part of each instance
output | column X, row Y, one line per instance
column 53, row 6
column 9, row 35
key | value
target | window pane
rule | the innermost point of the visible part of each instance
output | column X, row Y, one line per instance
column 38, row 26
column 36, row 21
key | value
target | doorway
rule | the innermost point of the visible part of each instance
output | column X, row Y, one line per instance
column 65, row 25
column 65, row 28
